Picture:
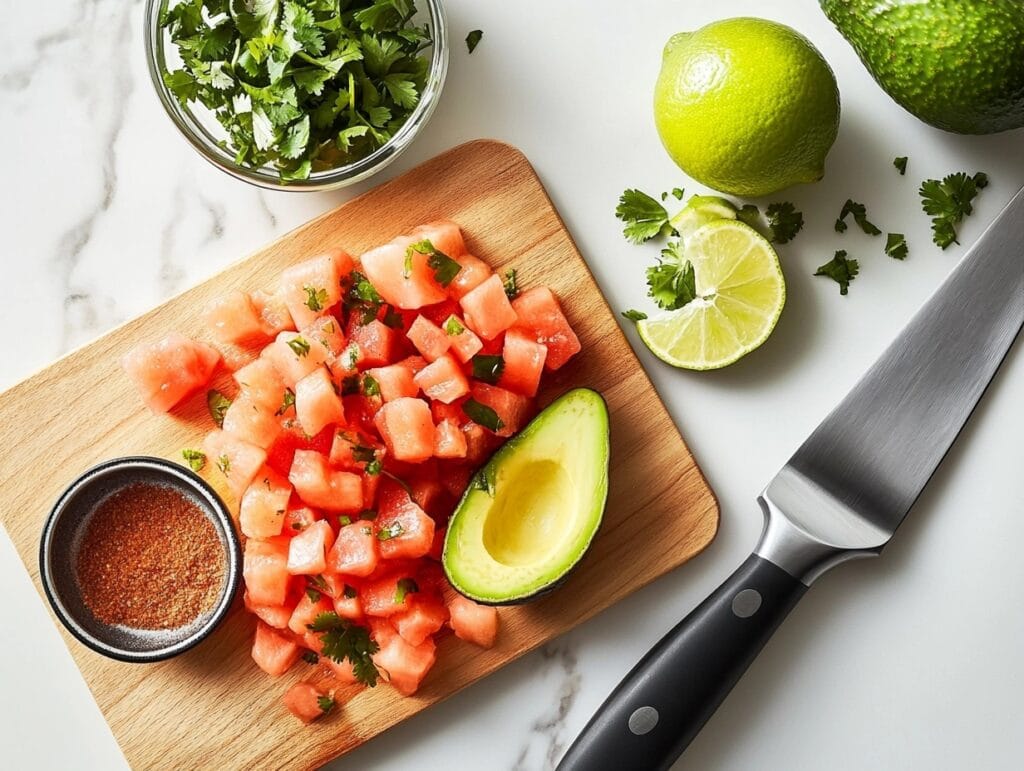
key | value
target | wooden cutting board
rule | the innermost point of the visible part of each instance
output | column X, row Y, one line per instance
column 212, row 707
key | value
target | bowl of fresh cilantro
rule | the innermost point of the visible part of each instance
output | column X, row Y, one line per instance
column 298, row 94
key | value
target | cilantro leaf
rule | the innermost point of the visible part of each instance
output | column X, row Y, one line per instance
column 453, row 326
column 473, row 39
column 896, row 246
column 860, row 216
column 900, row 163
column 217, row 403
column 633, row 315
column 287, row 402
column 482, row 415
column 784, row 222
column 511, row 284
column 672, row 282
column 326, row 703
column 487, row 369
column 343, row 640
column 841, row 270
column 948, row 202
column 392, row 530
column 196, row 459
column 405, row 587
column 444, row 267
column 300, row 346
column 316, row 298
column 645, row 218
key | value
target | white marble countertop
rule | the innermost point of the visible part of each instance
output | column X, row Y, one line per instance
column 911, row 661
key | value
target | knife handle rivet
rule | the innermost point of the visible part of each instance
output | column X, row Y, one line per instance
column 643, row 720
column 746, row 603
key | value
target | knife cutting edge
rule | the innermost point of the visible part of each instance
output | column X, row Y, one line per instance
column 841, row 496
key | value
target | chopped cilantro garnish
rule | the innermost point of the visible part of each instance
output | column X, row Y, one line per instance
column 487, row 368
column 678, row 193
column 645, row 218
column 948, row 202
column 312, row 594
column 316, row 299
column 444, row 267
column 672, row 283
column 373, row 468
column 473, row 39
column 344, row 520
column 196, row 459
column 363, row 454
column 310, row 657
column 393, row 530
column 287, row 402
column 784, row 222
column 901, row 164
column 224, row 464
column 344, row 640
column 452, row 326
column 370, row 386
column 482, row 415
column 860, row 216
column 217, row 403
column 841, row 270
column 633, row 315
column 896, row 246
column 405, row 587
column 299, row 346
column 302, row 85
column 511, row 284
column 326, row 703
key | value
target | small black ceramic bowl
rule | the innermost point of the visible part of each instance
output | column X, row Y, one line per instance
column 62, row 538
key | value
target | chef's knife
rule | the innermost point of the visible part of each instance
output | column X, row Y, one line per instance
column 841, row 496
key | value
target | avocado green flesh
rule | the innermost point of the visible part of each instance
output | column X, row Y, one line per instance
column 955, row 64
column 529, row 515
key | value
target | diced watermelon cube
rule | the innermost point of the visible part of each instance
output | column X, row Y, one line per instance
column 388, row 595
column 443, row 380
column 282, row 452
column 423, row 619
column 232, row 318
column 513, row 409
column 456, row 477
column 376, row 344
column 444, row 235
column 319, row 485
column 276, row 616
column 238, row 460
column 474, row 272
column 307, row 552
column 428, row 338
column 407, row 429
column 350, row 450
column 342, row 670
column 413, row 363
column 395, row 381
column 272, row 651
column 480, row 443
column 355, row 551
column 251, row 421
column 463, row 342
column 294, row 356
column 317, row 404
column 428, row 493
column 273, row 312
column 540, row 314
column 385, row 267
column 449, row 441
column 297, row 519
column 261, row 513
column 261, row 382
column 348, row 606
column 524, row 362
column 312, row 287
column 303, row 701
column 307, row 610
column 167, row 371
column 327, row 331
column 487, row 309
column 405, row 664
column 404, row 530
column 265, row 569
column 474, row 623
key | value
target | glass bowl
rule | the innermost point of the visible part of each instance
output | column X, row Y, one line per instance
column 204, row 133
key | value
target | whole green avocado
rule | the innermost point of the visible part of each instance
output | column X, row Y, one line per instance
column 955, row 64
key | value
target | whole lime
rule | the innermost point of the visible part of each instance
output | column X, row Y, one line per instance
column 746, row 106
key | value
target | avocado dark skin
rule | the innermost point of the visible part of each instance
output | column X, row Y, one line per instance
column 957, row 65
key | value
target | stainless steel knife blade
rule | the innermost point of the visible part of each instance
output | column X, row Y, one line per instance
column 851, row 483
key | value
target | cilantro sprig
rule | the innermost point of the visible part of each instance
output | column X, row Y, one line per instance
column 840, row 269
column 860, row 216
column 645, row 218
column 344, row 640
column 948, row 202
column 672, row 283
column 302, row 85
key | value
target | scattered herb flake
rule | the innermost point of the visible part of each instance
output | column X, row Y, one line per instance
column 784, row 222
column 896, row 246
column 672, row 283
column 374, row 467
column 344, row 520
column 316, row 299
column 217, row 403
column 224, row 464
column 444, row 267
column 900, row 163
column 645, row 218
column 326, row 703
column 841, row 270
column 370, row 386
column 312, row 594
column 948, row 202
column 633, row 315
column 310, row 657
column 511, row 284
column 403, row 588
column 343, row 640
column 453, row 327
column 473, row 39
column 678, row 193
column 860, row 216
column 488, row 368
column 287, row 402
column 393, row 530
column 482, row 415
column 196, row 459
column 299, row 346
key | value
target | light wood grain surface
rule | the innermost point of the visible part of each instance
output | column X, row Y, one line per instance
column 212, row 707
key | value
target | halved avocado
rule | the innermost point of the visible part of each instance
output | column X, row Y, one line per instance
column 529, row 515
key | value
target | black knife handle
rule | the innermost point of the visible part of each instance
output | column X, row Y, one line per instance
column 659, row 707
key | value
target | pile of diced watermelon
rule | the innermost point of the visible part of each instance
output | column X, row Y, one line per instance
column 367, row 393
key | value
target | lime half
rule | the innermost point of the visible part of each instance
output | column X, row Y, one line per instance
column 740, row 294
column 699, row 211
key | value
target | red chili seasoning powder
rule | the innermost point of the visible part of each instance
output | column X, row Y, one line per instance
column 150, row 559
